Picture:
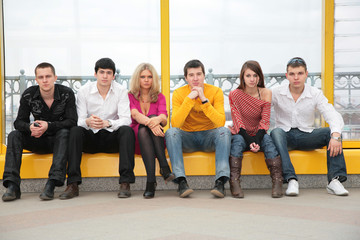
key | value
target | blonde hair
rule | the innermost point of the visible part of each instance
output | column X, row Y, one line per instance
column 135, row 82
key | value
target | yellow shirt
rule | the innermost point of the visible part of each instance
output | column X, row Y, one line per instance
column 191, row 115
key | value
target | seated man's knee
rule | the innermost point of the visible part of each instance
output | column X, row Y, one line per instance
column 16, row 134
column 277, row 133
column 77, row 131
column 63, row 133
column 224, row 130
column 126, row 130
column 224, row 134
column 172, row 132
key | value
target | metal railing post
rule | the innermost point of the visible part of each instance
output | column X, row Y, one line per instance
column 22, row 81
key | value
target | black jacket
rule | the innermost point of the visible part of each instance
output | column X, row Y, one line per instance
column 62, row 113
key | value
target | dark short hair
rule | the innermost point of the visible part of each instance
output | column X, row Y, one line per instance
column 193, row 64
column 254, row 66
column 45, row 65
column 105, row 63
column 296, row 62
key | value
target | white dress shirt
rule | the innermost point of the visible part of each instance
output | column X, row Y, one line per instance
column 301, row 114
column 115, row 107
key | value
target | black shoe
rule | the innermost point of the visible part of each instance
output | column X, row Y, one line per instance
column 219, row 189
column 124, row 190
column 150, row 190
column 167, row 174
column 184, row 190
column 12, row 192
column 48, row 192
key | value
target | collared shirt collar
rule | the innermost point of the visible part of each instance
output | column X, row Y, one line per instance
column 304, row 94
column 94, row 89
column 37, row 94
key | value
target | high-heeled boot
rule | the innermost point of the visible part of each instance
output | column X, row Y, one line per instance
column 235, row 173
column 275, row 167
column 167, row 174
column 150, row 190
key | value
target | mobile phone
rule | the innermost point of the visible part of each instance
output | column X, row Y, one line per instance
column 36, row 124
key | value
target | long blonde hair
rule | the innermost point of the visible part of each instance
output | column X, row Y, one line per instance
column 135, row 82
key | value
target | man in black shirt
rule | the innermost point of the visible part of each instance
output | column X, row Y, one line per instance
column 54, row 111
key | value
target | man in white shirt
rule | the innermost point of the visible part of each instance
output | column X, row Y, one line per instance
column 295, row 105
column 103, row 109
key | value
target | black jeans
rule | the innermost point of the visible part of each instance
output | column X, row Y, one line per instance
column 83, row 140
column 56, row 144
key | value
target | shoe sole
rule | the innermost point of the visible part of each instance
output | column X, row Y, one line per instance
column 68, row 197
column 169, row 179
column 124, row 195
column 149, row 197
column 237, row 196
column 186, row 193
column 276, row 196
column 8, row 199
column 217, row 193
column 292, row 194
column 333, row 193
column 45, row 197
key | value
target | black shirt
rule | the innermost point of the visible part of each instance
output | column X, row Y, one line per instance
column 62, row 113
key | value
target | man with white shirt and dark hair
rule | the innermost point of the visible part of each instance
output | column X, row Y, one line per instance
column 103, row 109
column 295, row 105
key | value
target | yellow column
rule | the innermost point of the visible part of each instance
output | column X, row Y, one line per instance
column 165, row 53
column 2, row 81
column 327, row 63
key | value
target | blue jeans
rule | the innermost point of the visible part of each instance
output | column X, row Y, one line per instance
column 296, row 139
column 238, row 146
column 218, row 140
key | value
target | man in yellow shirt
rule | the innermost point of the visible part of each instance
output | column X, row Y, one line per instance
column 198, row 119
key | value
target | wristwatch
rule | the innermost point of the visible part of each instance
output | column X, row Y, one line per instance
column 110, row 124
column 206, row 100
column 336, row 138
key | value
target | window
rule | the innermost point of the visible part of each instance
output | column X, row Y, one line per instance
column 347, row 65
column 223, row 34
column 73, row 35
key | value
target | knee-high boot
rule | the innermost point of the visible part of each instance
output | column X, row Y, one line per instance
column 235, row 172
column 275, row 168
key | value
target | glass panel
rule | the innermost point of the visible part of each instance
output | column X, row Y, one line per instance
column 72, row 35
column 347, row 65
column 223, row 34
column 347, row 9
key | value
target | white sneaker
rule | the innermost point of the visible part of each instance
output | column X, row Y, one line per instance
column 335, row 187
column 293, row 188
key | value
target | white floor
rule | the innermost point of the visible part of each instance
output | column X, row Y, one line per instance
column 101, row 215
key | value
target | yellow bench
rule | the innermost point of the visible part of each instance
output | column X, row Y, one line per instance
column 196, row 164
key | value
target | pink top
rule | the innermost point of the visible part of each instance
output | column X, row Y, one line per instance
column 249, row 113
column 156, row 108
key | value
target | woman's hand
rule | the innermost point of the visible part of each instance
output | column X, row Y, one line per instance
column 254, row 147
column 158, row 131
column 153, row 122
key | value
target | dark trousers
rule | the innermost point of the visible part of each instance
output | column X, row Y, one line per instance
column 83, row 140
column 56, row 144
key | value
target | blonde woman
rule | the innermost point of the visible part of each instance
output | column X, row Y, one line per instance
column 149, row 115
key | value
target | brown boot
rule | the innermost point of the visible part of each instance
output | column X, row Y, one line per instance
column 235, row 170
column 71, row 191
column 275, row 168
